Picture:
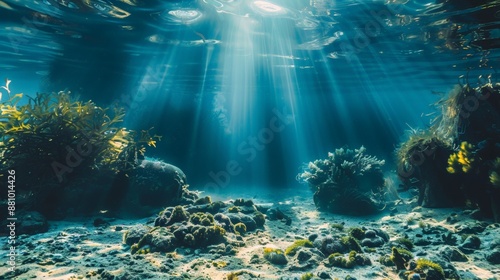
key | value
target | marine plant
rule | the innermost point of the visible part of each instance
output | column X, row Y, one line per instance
column 351, row 243
column 413, row 153
column 53, row 136
column 338, row 226
column 259, row 219
column 400, row 257
column 462, row 159
column 232, row 276
column 431, row 269
column 338, row 260
column 240, row 228
column 422, row 160
column 178, row 215
column 292, row 249
column 347, row 181
column 406, row 242
column 357, row 232
column 495, row 173
column 307, row 276
column 219, row 264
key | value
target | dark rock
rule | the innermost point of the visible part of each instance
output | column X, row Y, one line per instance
column 471, row 242
column 276, row 258
column 383, row 234
column 203, row 200
column 475, row 228
column 155, row 183
column 224, row 221
column 376, row 241
column 272, row 214
column 450, row 272
column 422, row 242
column 243, row 218
column 31, row 222
column 493, row 257
column 414, row 276
column 134, row 234
column 100, row 222
column 303, row 255
column 453, row 254
column 276, row 214
column 162, row 241
column 434, row 275
column 328, row 245
column 468, row 275
column 435, row 230
column 370, row 234
column 312, row 237
column 449, row 238
column 181, row 232
column 243, row 202
column 324, row 275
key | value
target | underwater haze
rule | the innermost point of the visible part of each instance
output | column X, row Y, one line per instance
column 245, row 92
column 242, row 139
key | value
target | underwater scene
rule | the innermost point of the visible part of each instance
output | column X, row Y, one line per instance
column 241, row 139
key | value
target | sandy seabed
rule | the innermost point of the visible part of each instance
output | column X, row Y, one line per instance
column 76, row 249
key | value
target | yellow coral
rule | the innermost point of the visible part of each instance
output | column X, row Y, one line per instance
column 461, row 160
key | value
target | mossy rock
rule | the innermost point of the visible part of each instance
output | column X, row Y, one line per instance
column 353, row 259
column 275, row 256
column 240, row 228
column 243, row 218
column 292, row 249
column 200, row 218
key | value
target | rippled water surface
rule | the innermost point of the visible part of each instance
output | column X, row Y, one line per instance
column 208, row 74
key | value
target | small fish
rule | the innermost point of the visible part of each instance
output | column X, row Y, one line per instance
column 201, row 36
column 427, row 115
column 103, row 211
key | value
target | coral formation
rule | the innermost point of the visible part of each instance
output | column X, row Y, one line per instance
column 192, row 226
column 461, row 160
column 352, row 259
column 178, row 215
column 200, row 218
column 449, row 177
column 357, row 232
column 348, row 181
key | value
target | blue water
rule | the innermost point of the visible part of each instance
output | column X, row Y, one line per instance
column 245, row 92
